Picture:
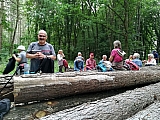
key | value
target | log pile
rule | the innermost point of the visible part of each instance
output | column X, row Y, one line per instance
column 8, row 89
column 29, row 88
column 152, row 112
column 119, row 107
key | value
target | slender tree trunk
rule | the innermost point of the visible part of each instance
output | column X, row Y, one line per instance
column 15, row 28
column 157, row 30
column 111, row 22
column 126, row 22
column 1, row 27
column 83, row 34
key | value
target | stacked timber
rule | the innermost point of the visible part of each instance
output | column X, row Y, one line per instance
column 6, row 85
column 141, row 103
column 38, row 87
column 152, row 112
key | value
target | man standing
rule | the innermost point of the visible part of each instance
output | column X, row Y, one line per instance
column 39, row 52
column 22, row 61
column 156, row 56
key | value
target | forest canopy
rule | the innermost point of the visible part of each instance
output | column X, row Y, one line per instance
column 82, row 25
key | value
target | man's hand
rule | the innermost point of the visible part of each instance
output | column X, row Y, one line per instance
column 40, row 55
column 14, row 55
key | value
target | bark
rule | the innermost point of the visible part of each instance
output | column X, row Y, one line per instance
column 16, row 25
column 117, row 107
column 1, row 27
column 8, row 89
column 29, row 88
column 150, row 113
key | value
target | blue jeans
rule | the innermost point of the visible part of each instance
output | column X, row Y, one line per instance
column 78, row 65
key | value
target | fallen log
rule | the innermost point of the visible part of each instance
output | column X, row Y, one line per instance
column 118, row 107
column 152, row 112
column 29, row 88
column 6, row 88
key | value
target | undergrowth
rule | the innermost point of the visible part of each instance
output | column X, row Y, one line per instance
column 56, row 68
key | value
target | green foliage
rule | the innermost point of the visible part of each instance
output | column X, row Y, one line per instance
column 89, row 26
column 4, row 56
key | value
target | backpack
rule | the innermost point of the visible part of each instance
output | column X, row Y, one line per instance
column 131, row 65
column 46, row 66
column 103, row 68
column 121, row 53
column 10, row 66
column 4, row 107
column 65, row 63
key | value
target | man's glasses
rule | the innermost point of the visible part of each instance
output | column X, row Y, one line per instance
column 42, row 36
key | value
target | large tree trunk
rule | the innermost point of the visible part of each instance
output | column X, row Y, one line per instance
column 119, row 107
column 152, row 112
column 36, row 88
column 6, row 86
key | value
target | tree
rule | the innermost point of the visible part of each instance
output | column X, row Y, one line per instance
column 84, row 25
column 1, row 27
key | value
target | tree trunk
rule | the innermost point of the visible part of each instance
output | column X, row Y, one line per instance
column 15, row 28
column 150, row 113
column 126, row 22
column 6, row 90
column 1, row 17
column 29, row 88
column 119, row 107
